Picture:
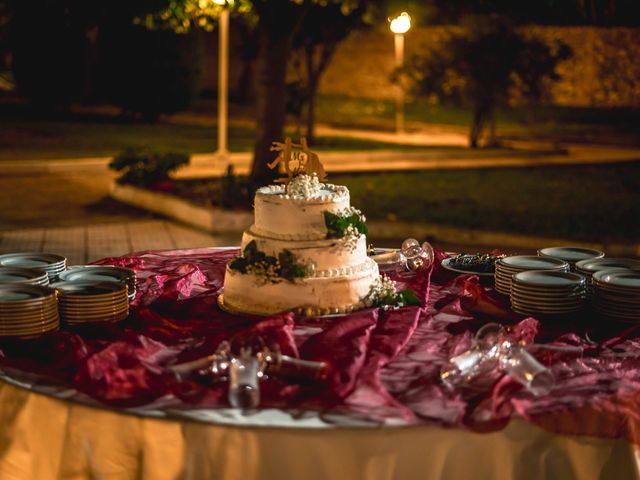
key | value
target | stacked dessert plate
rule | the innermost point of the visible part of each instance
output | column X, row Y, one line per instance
column 589, row 267
column 616, row 294
column 571, row 255
column 508, row 266
column 83, row 303
column 51, row 263
column 26, row 276
column 102, row 273
column 27, row 310
column 548, row 292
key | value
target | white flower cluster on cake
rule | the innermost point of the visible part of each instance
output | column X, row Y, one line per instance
column 351, row 211
column 352, row 232
column 304, row 186
column 382, row 290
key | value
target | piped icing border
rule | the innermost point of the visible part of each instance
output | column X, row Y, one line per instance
column 340, row 272
column 338, row 192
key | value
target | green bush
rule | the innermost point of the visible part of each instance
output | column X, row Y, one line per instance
column 235, row 191
column 229, row 191
column 146, row 168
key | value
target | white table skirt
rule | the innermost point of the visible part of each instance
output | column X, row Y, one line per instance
column 45, row 438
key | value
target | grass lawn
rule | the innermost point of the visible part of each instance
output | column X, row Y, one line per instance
column 50, row 139
column 25, row 135
column 590, row 203
column 576, row 124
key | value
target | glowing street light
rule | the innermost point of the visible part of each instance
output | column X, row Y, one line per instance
column 223, row 78
column 399, row 26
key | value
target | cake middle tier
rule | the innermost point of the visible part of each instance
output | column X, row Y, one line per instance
column 329, row 257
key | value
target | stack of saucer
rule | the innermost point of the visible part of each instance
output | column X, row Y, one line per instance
column 508, row 266
column 25, row 276
column 616, row 294
column 51, row 263
column 102, row 273
column 548, row 292
column 27, row 310
column 589, row 267
column 82, row 303
column 571, row 255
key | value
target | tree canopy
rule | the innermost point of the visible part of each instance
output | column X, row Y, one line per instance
column 315, row 43
column 276, row 24
column 486, row 67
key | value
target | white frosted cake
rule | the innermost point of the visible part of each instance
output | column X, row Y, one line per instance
column 306, row 251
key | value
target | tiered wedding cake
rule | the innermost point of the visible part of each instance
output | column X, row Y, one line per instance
column 306, row 250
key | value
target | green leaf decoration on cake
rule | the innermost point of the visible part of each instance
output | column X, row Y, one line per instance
column 268, row 267
column 345, row 223
column 289, row 268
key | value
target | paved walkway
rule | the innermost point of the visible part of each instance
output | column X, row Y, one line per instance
column 206, row 165
column 82, row 244
column 445, row 151
column 71, row 214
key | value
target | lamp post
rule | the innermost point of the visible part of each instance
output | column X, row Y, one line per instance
column 223, row 79
column 399, row 26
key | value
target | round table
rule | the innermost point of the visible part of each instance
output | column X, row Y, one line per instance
column 48, row 438
column 52, row 433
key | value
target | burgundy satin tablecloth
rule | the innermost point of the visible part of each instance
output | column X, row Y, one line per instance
column 384, row 363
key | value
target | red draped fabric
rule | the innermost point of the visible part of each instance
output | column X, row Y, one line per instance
column 384, row 363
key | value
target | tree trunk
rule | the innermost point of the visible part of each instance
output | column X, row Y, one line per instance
column 314, row 72
column 493, row 137
column 477, row 125
column 312, row 87
column 249, row 51
column 246, row 93
column 275, row 32
column 476, row 129
column 311, row 115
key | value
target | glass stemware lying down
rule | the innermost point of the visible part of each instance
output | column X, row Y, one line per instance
column 492, row 354
column 243, row 362
column 412, row 256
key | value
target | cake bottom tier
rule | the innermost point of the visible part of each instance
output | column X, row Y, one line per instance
column 245, row 293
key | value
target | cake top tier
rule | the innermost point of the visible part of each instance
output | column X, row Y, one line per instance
column 305, row 189
column 297, row 210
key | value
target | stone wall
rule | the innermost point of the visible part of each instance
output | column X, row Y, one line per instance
column 603, row 71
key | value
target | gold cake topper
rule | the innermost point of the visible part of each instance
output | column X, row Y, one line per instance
column 307, row 161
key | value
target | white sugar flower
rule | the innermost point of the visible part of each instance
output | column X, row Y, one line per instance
column 383, row 290
column 304, row 186
column 349, row 211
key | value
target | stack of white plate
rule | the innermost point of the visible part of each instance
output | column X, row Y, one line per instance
column 51, row 263
column 589, row 267
column 26, row 276
column 83, row 303
column 27, row 310
column 616, row 294
column 102, row 273
column 508, row 266
column 548, row 292
column 571, row 255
